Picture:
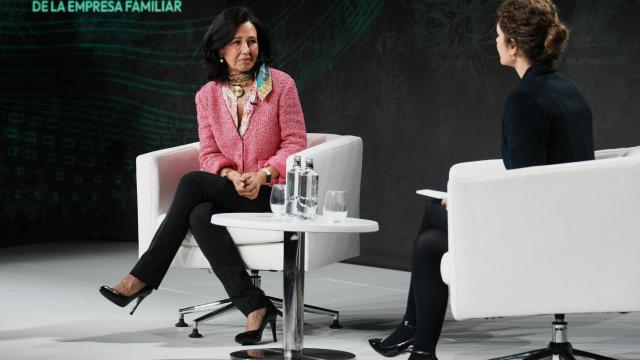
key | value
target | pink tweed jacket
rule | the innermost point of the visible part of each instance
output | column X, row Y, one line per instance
column 276, row 129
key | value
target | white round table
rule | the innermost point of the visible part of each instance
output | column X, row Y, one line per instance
column 293, row 273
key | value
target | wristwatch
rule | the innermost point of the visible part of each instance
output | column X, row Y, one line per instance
column 268, row 172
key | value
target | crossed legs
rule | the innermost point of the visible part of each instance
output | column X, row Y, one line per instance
column 198, row 196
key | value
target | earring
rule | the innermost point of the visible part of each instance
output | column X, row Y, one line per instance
column 221, row 60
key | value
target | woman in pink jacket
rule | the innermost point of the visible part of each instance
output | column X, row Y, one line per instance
column 249, row 121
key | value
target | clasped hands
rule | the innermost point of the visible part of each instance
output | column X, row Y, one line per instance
column 247, row 184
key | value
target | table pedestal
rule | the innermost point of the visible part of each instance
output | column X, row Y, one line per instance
column 293, row 311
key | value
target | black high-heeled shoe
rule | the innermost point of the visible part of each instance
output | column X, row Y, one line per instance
column 255, row 336
column 122, row 300
column 422, row 355
column 393, row 349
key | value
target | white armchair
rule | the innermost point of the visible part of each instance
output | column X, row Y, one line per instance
column 555, row 239
column 338, row 161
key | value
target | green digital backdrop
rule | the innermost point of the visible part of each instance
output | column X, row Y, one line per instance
column 84, row 92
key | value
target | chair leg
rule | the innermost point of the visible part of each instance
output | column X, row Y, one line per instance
column 314, row 310
column 209, row 316
column 181, row 322
column 197, row 308
column 540, row 354
column 589, row 355
column 202, row 307
column 566, row 355
column 527, row 355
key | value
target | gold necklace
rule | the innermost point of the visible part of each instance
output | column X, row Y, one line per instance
column 237, row 91
column 237, row 81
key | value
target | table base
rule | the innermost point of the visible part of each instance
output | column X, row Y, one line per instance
column 278, row 353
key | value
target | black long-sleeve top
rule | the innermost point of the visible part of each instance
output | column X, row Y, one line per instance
column 546, row 121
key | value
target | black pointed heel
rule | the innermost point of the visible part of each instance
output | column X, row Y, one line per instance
column 255, row 336
column 273, row 329
column 122, row 300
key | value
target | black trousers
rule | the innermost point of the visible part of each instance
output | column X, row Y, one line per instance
column 428, row 294
column 198, row 196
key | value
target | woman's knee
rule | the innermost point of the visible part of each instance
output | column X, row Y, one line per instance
column 200, row 215
column 432, row 243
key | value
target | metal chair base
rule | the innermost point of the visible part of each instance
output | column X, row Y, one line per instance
column 220, row 310
column 558, row 349
column 555, row 351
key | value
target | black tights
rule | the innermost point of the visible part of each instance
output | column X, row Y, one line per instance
column 428, row 295
column 198, row 196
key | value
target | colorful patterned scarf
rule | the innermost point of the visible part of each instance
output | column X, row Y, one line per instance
column 263, row 81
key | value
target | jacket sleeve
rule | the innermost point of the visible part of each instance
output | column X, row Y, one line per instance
column 211, row 159
column 293, row 134
column 525, row 132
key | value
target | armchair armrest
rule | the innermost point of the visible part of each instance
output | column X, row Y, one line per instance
column 610, row 153
column 476, row 168
column 485, row 167
column 157, row 177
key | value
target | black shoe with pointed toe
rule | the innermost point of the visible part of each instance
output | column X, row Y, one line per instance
column 255, row 336
column 390, row 350
column 122, row 300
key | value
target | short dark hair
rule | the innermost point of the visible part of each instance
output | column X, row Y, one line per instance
column 535, row 27
column 221, row 32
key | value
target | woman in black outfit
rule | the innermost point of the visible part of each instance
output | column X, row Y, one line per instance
column 546, row 120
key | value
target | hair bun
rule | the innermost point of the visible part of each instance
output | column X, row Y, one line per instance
column 555, row 42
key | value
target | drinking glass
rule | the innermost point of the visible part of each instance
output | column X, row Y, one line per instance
column 277, row 199
column 335, row 206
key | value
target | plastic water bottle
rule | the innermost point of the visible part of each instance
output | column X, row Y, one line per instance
column 291, row 193
column 308, row 192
